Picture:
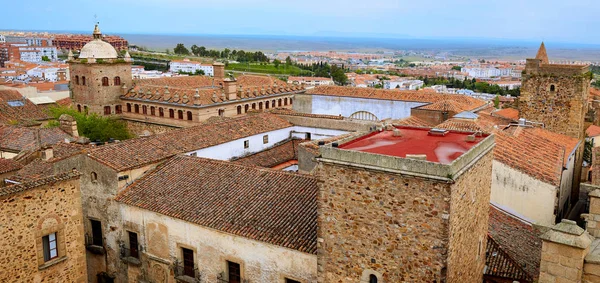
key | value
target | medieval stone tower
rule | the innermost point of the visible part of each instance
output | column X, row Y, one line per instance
column 555, row 95
column 403, row 215
column 99, row 77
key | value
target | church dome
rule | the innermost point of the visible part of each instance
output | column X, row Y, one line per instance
column 97, row 48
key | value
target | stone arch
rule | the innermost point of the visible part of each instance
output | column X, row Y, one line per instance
column 368, row 274
column 364, row 115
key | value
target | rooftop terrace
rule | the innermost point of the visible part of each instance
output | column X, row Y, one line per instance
column 424, row 152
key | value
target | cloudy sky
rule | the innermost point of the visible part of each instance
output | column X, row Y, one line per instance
column 574, row 21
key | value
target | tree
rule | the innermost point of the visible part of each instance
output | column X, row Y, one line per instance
column 338, row 75
column 199, row 72
column 181, row 50
column 195, row 50
column 93, row 126
column 276, row 63
column 497, row 102
column 288, row 61
column 456, row 68
column 45, row 58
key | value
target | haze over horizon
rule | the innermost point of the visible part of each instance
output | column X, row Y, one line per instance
column 536, row 20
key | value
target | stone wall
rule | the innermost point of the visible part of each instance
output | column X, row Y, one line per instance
column 382, row 222
column 141, row 128
column 344, row 125
column 469, row 212
column 26, row 217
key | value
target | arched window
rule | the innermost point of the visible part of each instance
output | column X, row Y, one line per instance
column 83, row 80
column 78, row 108
column 221, row 112
column 104, row 81
column 279, row 103
column 189, row 115
column 285, row 101
column 372, row 278
column 106, row 110
column 290, row 101
column 152, row 110
column 94, row 177
column 246, row 107
column 273, row 103
column 118, row 109
column 180, row 114
column 128, row 107
column 260, row 105
column 266, row 105
column 144, row 109
column 161, row 112
column 117, row 80
column 253, row 105
column 171, row 113
column 239, row 109
column 552, row 88
column 137, row 108
column 77, row 81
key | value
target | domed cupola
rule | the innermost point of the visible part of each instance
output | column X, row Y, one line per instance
column 97, row 48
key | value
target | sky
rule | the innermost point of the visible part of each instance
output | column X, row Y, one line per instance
column 572, row 21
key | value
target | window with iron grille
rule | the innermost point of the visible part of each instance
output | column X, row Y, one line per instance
column 188, row 262
column 234, row 272
column 133, row 245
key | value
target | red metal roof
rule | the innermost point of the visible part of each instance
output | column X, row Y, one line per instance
column 441, row 149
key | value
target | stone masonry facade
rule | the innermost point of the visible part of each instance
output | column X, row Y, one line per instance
column 402, row 228
column 29, row 214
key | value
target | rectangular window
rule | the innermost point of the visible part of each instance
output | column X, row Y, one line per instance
column 307, row 136
column 233, row 270
column 96, row 232
column 188, row 262
column 246, row 144
column 133, row 244
column 266, row 139
column 50, row 247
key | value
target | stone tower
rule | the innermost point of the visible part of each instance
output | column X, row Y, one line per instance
column 555, row 95
column 408, row 213
column 97, row 77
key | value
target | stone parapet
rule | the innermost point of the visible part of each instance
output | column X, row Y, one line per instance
column 413, row 167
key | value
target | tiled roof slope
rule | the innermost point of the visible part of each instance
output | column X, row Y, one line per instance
column 446, row 105
column 201, row 90
column 593, row 131
column 517, row 238
column 412, row 121
column 532, row 154
column 568, row 143
column 9, row 165
column 509, row 113
column 22, row 110
column 8, row 190
column 22, row 138
column 271, row 206
column 484, row 123
column 273, row 156
column 499, row 264
column 138, row 152
column 36, row 169
column 426, row 96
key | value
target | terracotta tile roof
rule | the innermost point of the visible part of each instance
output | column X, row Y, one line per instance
column 183, row 90
column 593, row 131
column 465, row 125
column 518, row 239
column 568, row 143
column 273, row 156
column 509, row 113
column 290, row 112
column 499, row 264
column 64, row 150
column 532, row 154
column 67, row 102
column 14, row 108
column 446, row 105
column 17, row 138
column 34, row 170
column 9, row 165
column 34, row 183
column 265, row 205
column 425, row 96
column 147, row 150
column 412, row 121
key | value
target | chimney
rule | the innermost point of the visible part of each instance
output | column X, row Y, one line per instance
column 68, row 125
column 219, row 70
column 47, row 153
column 522, row 121
column 197, row 97
column 229, row 86
column 214, row 96
column 396, row 133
